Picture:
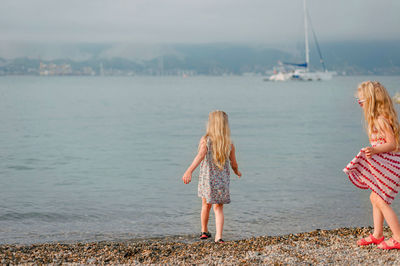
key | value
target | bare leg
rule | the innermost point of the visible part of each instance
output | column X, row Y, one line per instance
column 205, row 214
column 378, row 217
column 390, row 217
column 219, row 220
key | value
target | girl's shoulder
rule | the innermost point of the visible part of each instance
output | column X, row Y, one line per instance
column 380, row 127
column 383, row 122
column 383, row 118
column 204, row 140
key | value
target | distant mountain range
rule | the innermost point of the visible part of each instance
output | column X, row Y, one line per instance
column 350, row 58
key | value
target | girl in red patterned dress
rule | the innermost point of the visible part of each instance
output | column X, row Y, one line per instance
column 378, row 167
column 215, row 152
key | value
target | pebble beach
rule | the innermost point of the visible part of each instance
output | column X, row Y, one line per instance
column 337, row 246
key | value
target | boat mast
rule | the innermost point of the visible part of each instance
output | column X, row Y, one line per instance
column 306, row 35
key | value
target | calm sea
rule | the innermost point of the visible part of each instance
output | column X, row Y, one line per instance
column 101, row 158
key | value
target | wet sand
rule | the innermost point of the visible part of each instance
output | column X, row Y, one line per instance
column 336, row 246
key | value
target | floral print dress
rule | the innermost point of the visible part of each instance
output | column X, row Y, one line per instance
column 213, row 182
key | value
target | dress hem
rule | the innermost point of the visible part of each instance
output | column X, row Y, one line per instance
column 368, row 186
column 213, row 202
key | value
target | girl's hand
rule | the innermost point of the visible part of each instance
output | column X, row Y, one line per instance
column 369, row 151
column 234, row 164
column 238, row 173
column 187, row 177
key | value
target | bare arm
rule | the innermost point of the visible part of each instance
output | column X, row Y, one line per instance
column 390, row 144
column 187, row 176
column 234, row 164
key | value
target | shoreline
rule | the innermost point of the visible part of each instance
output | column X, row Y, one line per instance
column 315, row 247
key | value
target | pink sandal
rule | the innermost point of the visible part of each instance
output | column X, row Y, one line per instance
column 396, row 245
column 363, row 242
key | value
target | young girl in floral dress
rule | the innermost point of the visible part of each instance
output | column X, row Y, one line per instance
column 216, row 152
column 378, row 167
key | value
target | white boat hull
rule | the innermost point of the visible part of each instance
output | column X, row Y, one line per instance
column 319, row 75
column 302, row 75
column 280, row 77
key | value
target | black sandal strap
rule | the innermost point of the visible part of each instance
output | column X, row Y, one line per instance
column 205, row 235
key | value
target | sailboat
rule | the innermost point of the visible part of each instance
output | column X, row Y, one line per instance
column 302, row 71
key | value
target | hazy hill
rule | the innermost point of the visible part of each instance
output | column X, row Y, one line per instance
column 208, row 59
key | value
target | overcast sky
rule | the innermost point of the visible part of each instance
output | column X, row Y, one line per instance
column 196, row 21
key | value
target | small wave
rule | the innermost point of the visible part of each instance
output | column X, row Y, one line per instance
column 32, row 160
column 42, row 216
column 20, row 167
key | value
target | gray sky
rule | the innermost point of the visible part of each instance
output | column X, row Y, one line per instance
column 196, row 21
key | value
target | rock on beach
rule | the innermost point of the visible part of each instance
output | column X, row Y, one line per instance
column 337, row 246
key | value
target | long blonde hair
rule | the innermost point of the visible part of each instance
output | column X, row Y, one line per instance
column 220, row 135
column 377, row 104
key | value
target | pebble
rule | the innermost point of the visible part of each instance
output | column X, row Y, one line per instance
column 337, row 246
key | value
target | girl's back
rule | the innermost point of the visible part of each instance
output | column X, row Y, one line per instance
column 213, row 181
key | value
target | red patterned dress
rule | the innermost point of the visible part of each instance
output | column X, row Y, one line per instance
column 380, row 173
column 213, row 182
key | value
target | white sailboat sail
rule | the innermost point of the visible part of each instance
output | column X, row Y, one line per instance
column 303, row 72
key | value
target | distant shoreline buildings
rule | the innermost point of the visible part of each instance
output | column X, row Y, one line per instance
column 63, row 68
column 50, row 68
column 25, row 66
column 121, row 67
